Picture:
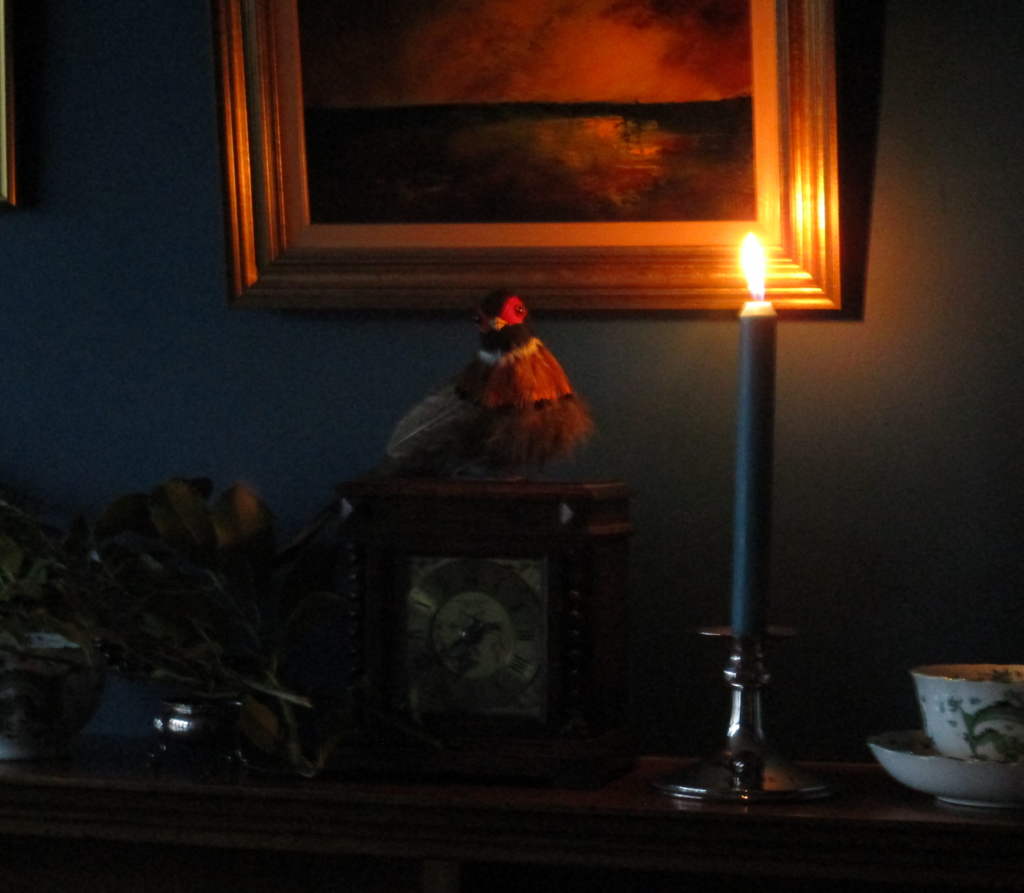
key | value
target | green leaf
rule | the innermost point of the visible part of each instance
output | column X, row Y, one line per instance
column 244, row 527
column 240, row 516
column 182, row 519
column 12, row 556
column 86, row 654
column 126, row 514
column 306, row 615
column 38, row 572
column 181, row 613
column 340, row 724
column 260, row 725
column 202, row 485
column 77, row 541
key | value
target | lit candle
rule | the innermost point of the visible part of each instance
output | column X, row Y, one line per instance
column 754, row 436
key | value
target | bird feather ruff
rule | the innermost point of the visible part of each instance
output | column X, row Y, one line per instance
column 532, row 435
column 524, row 376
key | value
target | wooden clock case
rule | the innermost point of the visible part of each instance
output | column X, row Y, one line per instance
column 581, row 532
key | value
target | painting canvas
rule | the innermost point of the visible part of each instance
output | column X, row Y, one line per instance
column 527, row 111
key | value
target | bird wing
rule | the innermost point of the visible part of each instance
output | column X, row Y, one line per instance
column 430, row 423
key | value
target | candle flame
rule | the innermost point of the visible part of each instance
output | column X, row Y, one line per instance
column 753, row 262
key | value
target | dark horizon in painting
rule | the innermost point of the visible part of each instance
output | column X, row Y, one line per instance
column 532, row 163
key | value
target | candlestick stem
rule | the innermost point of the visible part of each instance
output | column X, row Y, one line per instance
column 747, row 768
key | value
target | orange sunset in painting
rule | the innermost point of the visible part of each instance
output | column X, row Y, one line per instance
column 489, row 111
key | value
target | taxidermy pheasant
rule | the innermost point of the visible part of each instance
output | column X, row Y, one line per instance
column 510, row 408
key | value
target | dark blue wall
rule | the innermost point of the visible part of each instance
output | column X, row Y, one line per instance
column 899, row 528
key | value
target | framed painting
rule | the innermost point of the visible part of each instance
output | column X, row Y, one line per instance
column 604, row 155
column 6, row 108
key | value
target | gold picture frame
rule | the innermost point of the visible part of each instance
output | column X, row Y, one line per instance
column 7, row 193
column 277, row 259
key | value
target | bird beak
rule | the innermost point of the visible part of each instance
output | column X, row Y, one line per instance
column 485, row 324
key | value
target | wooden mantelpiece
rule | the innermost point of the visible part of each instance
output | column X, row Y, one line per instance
column 61, row 823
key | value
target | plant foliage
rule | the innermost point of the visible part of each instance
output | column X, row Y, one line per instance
column 176, row 587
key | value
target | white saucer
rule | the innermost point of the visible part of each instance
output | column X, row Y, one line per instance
column 909, row 758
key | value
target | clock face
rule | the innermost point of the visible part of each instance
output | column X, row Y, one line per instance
column 475, row 636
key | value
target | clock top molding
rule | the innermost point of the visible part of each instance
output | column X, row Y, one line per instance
column 520, row 509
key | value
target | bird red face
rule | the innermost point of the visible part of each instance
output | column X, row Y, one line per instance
column 512, row 312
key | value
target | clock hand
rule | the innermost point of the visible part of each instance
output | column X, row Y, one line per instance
column 470, row 635
column 460, row 651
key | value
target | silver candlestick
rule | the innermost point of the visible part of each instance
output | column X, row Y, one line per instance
column 747, row 768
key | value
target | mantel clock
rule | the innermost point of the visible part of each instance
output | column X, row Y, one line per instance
column 491, row 615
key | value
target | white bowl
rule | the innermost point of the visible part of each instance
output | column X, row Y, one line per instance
column 973, row 711
column 910, row 759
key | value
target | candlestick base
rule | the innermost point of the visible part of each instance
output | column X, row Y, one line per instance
column 747, row 768
column 747, row 776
